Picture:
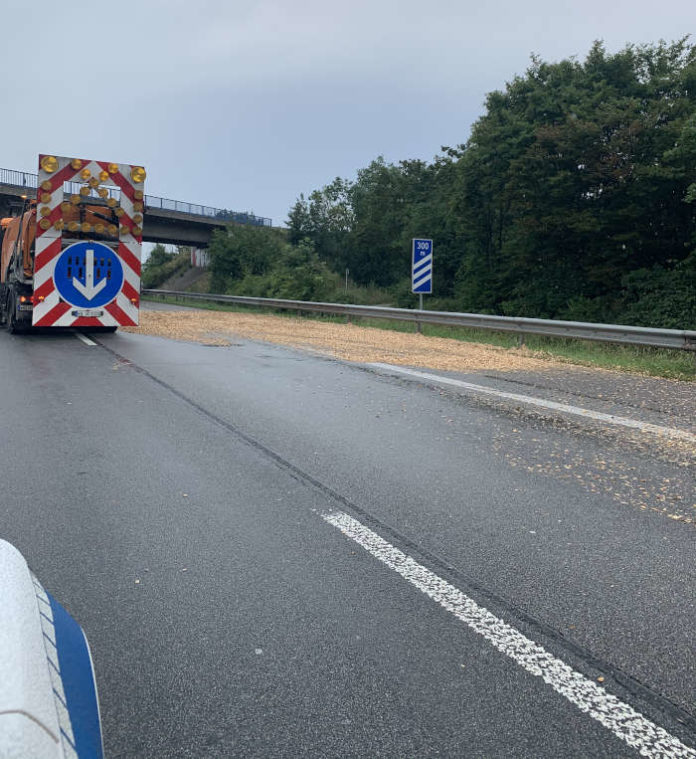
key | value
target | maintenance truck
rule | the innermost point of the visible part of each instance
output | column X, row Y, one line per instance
column 72, row 256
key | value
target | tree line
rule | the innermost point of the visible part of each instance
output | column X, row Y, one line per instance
column 573, row 198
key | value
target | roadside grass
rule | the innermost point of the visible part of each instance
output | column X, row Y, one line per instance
column 656, row 362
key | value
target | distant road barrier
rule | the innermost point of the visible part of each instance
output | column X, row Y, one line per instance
column 608, row 333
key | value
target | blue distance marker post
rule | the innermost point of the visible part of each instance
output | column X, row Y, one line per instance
column 421, row 269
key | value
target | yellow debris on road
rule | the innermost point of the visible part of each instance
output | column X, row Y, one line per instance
column 344, row 341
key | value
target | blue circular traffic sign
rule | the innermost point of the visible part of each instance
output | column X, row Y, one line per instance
column 88, row 274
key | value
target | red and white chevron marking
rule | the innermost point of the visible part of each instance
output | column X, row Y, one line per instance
column 50, row 310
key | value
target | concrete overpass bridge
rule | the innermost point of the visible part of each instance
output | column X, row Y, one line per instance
column 171, row 222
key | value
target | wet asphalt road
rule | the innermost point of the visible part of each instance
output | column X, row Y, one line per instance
column 170, row 496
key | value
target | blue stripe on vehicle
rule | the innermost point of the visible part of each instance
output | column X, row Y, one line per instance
column 78, row 683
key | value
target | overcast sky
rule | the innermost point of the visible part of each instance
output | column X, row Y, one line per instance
column 245, row 105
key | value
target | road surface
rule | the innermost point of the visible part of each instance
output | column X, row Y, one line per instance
column 275, row 554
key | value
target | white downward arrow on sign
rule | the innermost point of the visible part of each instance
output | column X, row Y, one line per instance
column 89, row 290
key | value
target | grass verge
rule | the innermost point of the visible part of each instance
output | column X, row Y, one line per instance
column 656, row 362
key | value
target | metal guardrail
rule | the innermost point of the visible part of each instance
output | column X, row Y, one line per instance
column 27, row 180
column 608, row 333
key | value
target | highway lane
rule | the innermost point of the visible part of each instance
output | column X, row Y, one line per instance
column 171, row 495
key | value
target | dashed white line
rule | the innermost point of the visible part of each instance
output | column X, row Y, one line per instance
column 622, row 720
column 86, row 340
column 530, row 400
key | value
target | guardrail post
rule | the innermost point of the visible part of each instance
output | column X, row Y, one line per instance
column 520, row 340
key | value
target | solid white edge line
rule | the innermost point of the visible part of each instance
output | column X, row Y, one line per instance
column 622, row 720
column 530, row 400
column 86, row 340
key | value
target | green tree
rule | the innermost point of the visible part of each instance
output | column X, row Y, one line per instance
column 576, row 185
column 299, row 221
column 158, row 255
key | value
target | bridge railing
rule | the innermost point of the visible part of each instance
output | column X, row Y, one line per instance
column 18, row 178
column 214, row 213
column 27, row 180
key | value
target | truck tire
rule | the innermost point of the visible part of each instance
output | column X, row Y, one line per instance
column 11, row 318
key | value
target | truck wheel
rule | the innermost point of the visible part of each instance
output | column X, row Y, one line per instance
column 11, row 322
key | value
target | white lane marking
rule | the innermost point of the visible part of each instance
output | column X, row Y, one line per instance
column 86, row 340
column 621, row 719
column 622, row 421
